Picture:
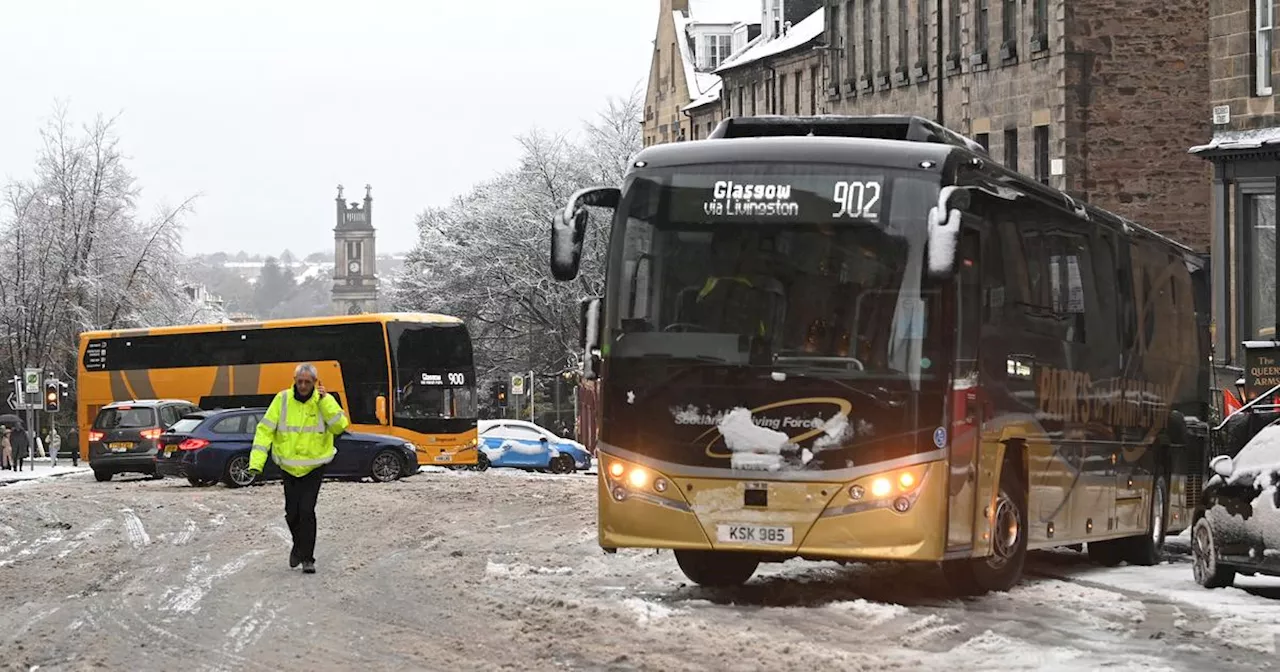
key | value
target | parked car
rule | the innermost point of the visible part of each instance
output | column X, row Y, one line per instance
column 1235, row 528
column 205, row 447
column 524, row 445
column 124, row 433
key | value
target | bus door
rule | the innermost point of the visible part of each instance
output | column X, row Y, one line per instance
column 967, row 403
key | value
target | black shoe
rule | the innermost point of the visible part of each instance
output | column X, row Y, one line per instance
column 308, row 567
column 293, row 561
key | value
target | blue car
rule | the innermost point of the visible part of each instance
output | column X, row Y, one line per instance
column 524, row 445
column 205, row 447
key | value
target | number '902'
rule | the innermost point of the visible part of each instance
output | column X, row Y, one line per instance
column 856, row 199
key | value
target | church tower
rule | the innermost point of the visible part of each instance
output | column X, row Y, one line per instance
column 355, row 279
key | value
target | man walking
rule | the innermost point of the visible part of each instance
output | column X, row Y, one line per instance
column 298, row 431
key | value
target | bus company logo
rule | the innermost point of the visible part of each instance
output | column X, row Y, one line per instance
column 733, row 199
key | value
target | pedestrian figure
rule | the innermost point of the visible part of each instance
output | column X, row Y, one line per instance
column 21, row 446
column 298, row 431
column 55, row 444
column 73, row 443
column 6, row 447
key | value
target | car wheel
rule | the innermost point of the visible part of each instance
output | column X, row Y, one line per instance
column 1001, row 570
column 102, row 475
column 1204, row 558
column 386, row 467
column 236, row 474
column 717, row 569
column 200, row 482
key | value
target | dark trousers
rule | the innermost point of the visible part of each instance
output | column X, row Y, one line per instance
column 300, row 494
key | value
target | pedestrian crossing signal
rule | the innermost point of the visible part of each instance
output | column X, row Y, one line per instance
column 51, row 396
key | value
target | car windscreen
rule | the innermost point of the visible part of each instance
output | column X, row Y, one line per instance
column 125, row 418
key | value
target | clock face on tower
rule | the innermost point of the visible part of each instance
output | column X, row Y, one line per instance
column 354, row 267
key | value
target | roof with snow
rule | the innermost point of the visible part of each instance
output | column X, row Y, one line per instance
column 725, row 11
column 699, row 82
column 800, row 34
column 1254, row 138
column 711, row 96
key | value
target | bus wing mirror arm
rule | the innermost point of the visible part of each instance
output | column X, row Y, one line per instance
column 569, row 228
column 944, row 229
column 381, row 409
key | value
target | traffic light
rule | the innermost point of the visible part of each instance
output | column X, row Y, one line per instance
column 501, row 397
column 51, row 396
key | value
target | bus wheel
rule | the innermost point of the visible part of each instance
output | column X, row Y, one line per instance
column 482, row 462
column 717, row 569
column 1148, row 549
column 1001, row 570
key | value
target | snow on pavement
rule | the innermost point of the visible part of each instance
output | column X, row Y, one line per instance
column 500, row 571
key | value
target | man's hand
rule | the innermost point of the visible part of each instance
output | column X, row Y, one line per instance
column 320, row 390
column 254, row 472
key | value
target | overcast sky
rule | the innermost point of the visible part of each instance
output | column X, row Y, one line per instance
column 264, row 106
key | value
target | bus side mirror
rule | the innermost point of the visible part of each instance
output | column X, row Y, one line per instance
column 380, row 409
column 944, row 229
column 589, row 335
column 1222, row 466
column 569, row 229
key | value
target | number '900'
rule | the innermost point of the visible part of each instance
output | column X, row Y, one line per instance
column 457, row 379
column 856, row 199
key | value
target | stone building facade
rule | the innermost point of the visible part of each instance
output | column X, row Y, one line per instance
column 1091, row 97
column 1243, row 150
column 355, row 276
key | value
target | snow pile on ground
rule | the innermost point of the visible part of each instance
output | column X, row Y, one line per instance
column 41, row 471
column 520, row 569
column 647, row 612
column 873, row 613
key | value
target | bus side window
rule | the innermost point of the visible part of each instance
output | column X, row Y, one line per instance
column 1105, row 311
column 993, row 280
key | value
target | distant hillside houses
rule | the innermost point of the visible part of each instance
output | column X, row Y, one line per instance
column 304, row 270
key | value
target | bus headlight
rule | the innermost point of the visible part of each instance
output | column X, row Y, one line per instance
column 616, row 469
column 880, row 487
column 638, row 478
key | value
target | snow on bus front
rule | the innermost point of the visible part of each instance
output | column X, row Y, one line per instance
column 774, row 317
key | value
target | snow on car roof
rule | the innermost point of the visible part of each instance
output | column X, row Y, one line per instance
column 1260, row 455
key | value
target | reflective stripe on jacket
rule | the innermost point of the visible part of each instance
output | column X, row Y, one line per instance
column 298, row 434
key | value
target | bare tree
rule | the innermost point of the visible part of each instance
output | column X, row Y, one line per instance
column 484, row 256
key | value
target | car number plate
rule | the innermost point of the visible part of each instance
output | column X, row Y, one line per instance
column 169, row 451
column 772, row 535
column 120, row 447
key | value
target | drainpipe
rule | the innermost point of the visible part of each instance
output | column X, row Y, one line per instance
column 940, row 74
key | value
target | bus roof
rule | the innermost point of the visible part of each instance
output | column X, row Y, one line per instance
column 426, row 318
column 802, row 149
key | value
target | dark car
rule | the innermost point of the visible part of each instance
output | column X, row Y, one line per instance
column 205, row 447
column 1235, row 528
column 123, row 436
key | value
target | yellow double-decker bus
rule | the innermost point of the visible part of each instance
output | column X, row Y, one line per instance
column 408, row 375
column 858, row 338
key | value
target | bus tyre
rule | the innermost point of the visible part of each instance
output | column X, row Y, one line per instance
column 1148, row 549
column 1001, row 570
column 482, row 462
column 717, row 569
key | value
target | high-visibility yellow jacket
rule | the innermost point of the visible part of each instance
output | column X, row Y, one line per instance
column 298, row 434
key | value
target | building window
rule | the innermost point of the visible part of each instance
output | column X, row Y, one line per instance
column 1042, row 154
column 955, row 28
column 922, row 29
column 981, row 33
column 782, row 94
column 984, row 139
column 850, row 36
column 868, row 41
column 795, row 89
column 1011, row 148
column 672, row 66
column 1041, row 9
column 755, row 93
column 885, row 38
column 1263, row 24
column 813, row 90
column 741, row 110
column 715, row 48
column 904, row 35
column 1261, row 249
column 1009, row 20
